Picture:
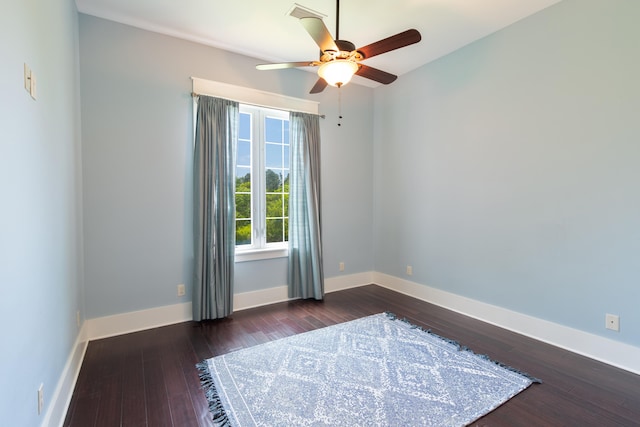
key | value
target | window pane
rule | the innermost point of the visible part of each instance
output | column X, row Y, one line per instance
column 243, row 206
column 274, row 155
column 275, row 232
column 286, row 132
column 286, row 181
column 273, row 129
column 243, row 179
column 243, row 232
column 244, row 132
column 243, row 157
column 272, row 180
column 274, row 206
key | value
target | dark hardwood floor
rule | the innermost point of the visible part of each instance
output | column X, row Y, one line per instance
column 148, row 378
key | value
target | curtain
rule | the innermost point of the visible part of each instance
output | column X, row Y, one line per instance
column 214, row 207
column 305, row 275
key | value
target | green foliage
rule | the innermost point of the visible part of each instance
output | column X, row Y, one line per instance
column 277, row 208
column 274, row 205
column 274, row 230
column 243, row 184
column 243, row 232
column 243, row 206
column 272, row 181
column 243, row 210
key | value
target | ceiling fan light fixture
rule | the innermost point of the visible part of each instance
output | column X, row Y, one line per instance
column 338, row 72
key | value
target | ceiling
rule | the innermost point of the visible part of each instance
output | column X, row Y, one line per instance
column 263, row 28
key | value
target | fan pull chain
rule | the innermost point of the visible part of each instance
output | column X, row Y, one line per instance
column 339, row 106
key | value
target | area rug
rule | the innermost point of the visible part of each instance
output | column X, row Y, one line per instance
column 373, row 371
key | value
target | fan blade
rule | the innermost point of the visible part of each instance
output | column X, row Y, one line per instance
column 287, row 65
column 375, row 74
column 403, row 39
column 319, row 33
column 319, row 86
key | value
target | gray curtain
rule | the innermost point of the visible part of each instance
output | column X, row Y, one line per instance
column 214, row 207
column 305, row 275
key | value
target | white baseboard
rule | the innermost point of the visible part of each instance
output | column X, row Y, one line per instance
column 603, row 349
column 262, row 297
column 609, row 351
column 348, row 281
column 133, row 321
column 246, row 300
column 61, row 397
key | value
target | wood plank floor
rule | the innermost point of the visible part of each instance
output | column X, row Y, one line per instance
column 148, row 378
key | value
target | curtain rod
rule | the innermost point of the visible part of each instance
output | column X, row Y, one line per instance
column 322, row 116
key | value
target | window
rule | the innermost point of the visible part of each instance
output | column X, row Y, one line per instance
column 252, row 159
column 262, row 183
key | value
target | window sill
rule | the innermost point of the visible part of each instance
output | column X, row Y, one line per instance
column 260, row 254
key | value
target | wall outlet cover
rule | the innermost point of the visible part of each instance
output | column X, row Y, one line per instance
column 612, row 322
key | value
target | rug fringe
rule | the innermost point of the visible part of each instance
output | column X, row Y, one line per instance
column 460, row 347
column 220, row 417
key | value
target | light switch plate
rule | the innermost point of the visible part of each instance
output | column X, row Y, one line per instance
column 27, row 78
column 32, row 91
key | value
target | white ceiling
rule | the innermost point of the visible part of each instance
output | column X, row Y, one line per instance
column 263, row 29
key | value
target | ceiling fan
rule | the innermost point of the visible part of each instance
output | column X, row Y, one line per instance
column 340, row 60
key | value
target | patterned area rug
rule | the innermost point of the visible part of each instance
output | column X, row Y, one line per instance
column 373, row 371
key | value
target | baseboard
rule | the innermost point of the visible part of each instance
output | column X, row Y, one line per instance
column 133, row 321
column 348, row 281
column 262, row 297
column 596, row 347
column 118, row 324
column 246, row 300
column 61, row 397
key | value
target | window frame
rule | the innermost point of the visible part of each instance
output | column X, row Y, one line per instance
column 259, row 247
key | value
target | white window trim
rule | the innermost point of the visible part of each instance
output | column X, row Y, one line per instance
column 259, row 98
column 260, row 254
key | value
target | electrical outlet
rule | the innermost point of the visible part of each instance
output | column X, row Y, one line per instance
column 40, row 398
column 612, row 322
column 409, row 270
column 181, row 290
column 341, row 266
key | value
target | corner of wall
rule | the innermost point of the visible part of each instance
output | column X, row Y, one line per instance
column 63, row 392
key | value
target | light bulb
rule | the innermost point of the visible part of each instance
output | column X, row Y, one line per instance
column 338, row 72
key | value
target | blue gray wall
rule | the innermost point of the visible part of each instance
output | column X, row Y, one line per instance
column 137, row 136
column 40, row 217
column 516, row 177
column 505, row 172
